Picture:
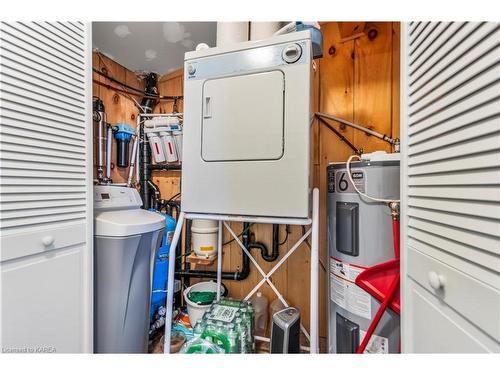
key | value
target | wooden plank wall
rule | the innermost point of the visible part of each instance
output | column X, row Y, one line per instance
column 357, row 79
column 118, row 107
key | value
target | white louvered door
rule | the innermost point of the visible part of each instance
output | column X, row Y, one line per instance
column 451, row 187
column 45, row 188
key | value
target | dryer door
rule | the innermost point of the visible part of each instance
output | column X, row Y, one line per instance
column 242, row 117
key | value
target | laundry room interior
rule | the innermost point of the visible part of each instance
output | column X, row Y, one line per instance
column 366, row 92
column 283, row 187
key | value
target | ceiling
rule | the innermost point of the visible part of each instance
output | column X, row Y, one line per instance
column 151, row 46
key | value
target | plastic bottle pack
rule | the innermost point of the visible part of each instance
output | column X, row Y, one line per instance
column 227, row 325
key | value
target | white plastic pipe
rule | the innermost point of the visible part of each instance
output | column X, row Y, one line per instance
column 137, row 166
column 219, row 260
column 100, row 145
column 286, row 29
column 231, row 32
column 263, row 30
column 139, row 140
column 313, row 329
column 133, row 159
column 109, row 145
column 170, row 283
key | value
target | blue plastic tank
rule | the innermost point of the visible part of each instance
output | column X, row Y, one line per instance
column 160, row 272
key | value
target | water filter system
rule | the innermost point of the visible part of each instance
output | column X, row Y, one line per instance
column 165, row 138
column 123, row 134
column 103, row 141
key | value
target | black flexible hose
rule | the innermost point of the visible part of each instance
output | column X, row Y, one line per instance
column 156, row 195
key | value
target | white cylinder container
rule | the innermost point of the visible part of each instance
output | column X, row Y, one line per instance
column 178, row 143
column 204, row 237
column 156, row 147
column 168, row 146
column 231, row 32
column 263, row 30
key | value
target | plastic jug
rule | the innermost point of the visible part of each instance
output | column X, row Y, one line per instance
column 274, row 307
column 260, row 304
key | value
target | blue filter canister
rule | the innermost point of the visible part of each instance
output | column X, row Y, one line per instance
column 160, row 272
column 123, row 135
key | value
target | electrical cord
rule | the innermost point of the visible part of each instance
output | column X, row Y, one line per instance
column 242, row 233
column 110, row 87
column 130, row 88
column 287, row 230
column 124, row 86
column 171, row 199
column 114, row 80
column 348, row 168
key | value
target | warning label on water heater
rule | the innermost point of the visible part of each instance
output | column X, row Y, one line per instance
column 376, row 345
column 344, row 292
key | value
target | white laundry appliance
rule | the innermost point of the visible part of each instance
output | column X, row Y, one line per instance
column 247, row 128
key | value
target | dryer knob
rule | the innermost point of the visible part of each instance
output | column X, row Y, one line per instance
column 191, row 69
column 291, row 53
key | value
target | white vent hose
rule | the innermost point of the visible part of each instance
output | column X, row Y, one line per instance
column 348, row 168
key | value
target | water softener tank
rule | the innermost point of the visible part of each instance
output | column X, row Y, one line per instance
column 360, row 236
column 160, row 272
column 126, row 238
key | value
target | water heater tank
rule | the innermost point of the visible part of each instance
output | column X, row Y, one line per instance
column 359, row 236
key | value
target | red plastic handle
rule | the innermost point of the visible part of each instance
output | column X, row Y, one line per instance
column 390, row 294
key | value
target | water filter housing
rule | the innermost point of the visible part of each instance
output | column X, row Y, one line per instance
column 165, row 138
column 246, row 140
column 359, row 236
column 123, row 135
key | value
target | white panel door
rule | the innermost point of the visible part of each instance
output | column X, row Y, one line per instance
column 450, row 187
column 243, row 117
column 45, row 188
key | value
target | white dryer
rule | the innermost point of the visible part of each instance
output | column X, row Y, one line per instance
column 247, row 128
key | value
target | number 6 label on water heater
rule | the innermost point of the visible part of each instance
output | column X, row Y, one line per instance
column 341, row 183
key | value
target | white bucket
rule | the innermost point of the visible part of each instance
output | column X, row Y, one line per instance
column 204, row 237
column 195, row 311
